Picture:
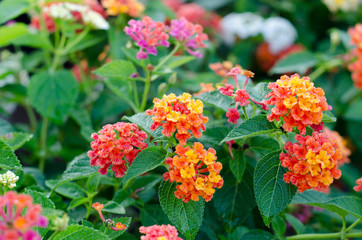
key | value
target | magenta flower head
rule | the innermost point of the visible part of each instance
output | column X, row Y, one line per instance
column 148, row 35
column 189, row 34
column 19, row 216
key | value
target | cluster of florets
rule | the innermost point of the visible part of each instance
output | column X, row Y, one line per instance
column 8, row 179
column 297, row 101
column 19, row 216
column 116, row 145
column 159, row 232
column 241, row 96
column 222, row 69
column 132, row 8
column 312, row 162
column 356, row 67
column 340, row 143
column 358, row 187
column 108, row 222
column 149, row 34
column 179, row 114
column 197, row 171
column 190, row 35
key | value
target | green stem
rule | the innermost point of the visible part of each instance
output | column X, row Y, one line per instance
column 53, row 235
column 160, row 64
column 76, row 40
column 135, row 93
column 244, row 111
column 58, row 52
column 43, row 141
column 324, row 236
column 280, row 140
column 31, row 115
column 353, row 225
column 128, row 185
column 324, row 67
column 343, row 230
column 145, row 92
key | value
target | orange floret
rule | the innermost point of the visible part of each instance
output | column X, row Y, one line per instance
column 132, row 8
column 312, row 162
column 197, row 171
column 340, row 143
column 179, row 114
column 297, row 101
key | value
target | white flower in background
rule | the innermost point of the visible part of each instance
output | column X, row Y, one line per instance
column 279, row 33
column 65, row 10
column 243, row 25
column 344, row 5
column 9, row 179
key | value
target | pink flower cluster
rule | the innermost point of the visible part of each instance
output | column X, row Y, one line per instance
column 18, row 216
column 241, row 96
column 358, row 187
column 116, row 145
column 148, row 35
column 189, row 34
column 157, row 232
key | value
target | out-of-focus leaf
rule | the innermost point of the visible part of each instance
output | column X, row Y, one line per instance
column 216, row 99
column 296, row 223
column 10, row 9
column 11, row 32
column 354, row 111
column 8, row 159
column 298, row 62
column 328, row 117
column 16, row 139
column 32, row 40
column 117, row 69
column 82, row 117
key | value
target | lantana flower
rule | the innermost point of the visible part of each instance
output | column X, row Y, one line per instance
column 19, row 216
column 297, row 101
column 197, row 171
column 340, row 143
column 358, row 187
column 148, row 35
column 179, row 114
column 356, row 66
column 159, row 232
column 190, row 35
column 108, row 222
column 312, row 162
column 132, row 8
column 344, row 5
column 8, row 179
column 117, row 145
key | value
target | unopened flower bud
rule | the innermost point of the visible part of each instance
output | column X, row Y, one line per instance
column 8, row 179
column 109, row 223
column 61, row 223
column 162, row 88
column 173, row 78
column 149, row 67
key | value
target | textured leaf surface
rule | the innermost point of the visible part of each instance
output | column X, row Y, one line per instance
column 257, row 234
column 234, row 201
column 186, row 217
column 8, row 159
column 78, row 168
column 16, row 139
column 10, row 9
column 263, row 145
column 77, row 232
column 342, row 205
column 238, row 164
column 271, row 192
column 53, row 94
column 115, row 234
column 117, row 69
column 328, row 117
column 298, row 62
column 216, row 99
column 144, row 122
column 251, row 127
column 145, row 161
column 214, row 135
column 259, row 91
column 153, row 215
column 82, row 117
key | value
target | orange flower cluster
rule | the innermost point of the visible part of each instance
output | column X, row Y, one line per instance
column 356, row 67
column 132, row 8
column 179, row 114
column 312, row 162
column 187, row 167
column 340, row 144
column 297, row 101
column 205, row 87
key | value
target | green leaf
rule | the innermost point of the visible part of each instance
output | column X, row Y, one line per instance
column 69, row 189
column 298, row 62
column 153, row 215
column 257, row 234
column 115, row 234
column 214, row 135
column 117, row 69
column 92, row 38
column 32, row 40
column 354, row 111
column 328, row 117
column 251, row 127
column 178, row 61
column 144, row 122
column 53, row 94
column 271, row 192
column 10, row 9
column 238, row 164
column 78, row 168
column 263, row 144
column 259, row 91
column 296, row 223
column 8, row 159
column 186, row 217
column 5, row 127
column 145, row 161
column 82, row 117
column 216, row 99
column 113, row 207
column 234, row 201
column 279, row 226
column 342, row 205
column 77, row 232
column 8, row 33
column 16, row 139
column 77, row 202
